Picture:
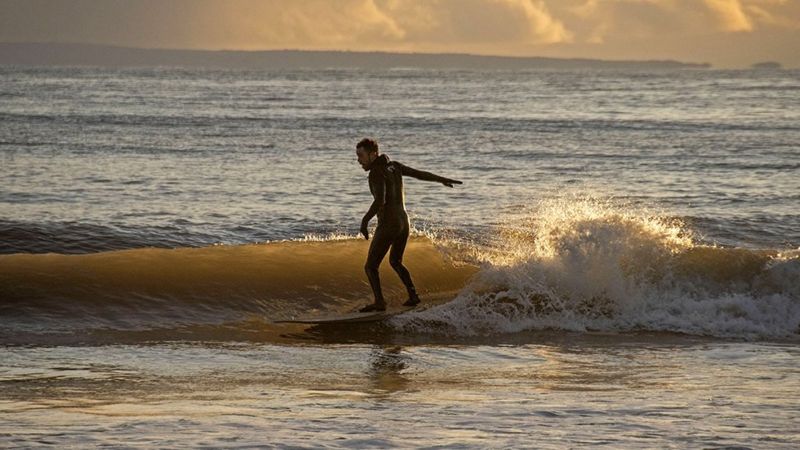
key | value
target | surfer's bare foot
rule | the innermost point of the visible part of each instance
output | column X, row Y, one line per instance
column 375, row 307
column 412, row 301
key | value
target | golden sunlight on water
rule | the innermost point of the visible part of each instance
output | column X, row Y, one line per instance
column 618, row 269
column 571, row 390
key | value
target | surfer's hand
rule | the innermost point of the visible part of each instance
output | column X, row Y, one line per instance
column 364, row 230
column 450, row 183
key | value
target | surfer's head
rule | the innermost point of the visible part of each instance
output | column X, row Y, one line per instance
column 367, row 152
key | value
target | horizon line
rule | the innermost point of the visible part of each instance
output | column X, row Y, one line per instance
column 774, row 65
column 360, row 52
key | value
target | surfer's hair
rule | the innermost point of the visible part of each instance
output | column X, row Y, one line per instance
column 367, row 144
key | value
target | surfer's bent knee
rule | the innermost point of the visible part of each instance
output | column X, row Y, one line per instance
column 396, row 263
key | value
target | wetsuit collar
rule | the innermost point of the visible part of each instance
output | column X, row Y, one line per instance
column 381, row 160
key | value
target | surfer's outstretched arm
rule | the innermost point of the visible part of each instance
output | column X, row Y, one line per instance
column 427, row 176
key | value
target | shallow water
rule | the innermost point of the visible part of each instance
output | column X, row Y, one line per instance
column 566, row 391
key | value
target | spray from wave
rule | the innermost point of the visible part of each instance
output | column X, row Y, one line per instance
column 583, row 264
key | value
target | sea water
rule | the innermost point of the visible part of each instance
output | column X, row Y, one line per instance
column 619, row 268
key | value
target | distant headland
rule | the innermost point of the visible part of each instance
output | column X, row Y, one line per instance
column 768, row 65
column 48, row 54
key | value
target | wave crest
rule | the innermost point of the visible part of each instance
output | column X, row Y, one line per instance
column 587, row 265
column 152, row 288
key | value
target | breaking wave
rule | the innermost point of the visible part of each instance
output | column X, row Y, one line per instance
column 586, row 265
column 569, row 264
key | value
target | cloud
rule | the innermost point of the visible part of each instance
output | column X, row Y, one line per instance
column 602, row 21
column 542, row 27
column 413, row 25
column 644, row 29
column 730, row 15
column 435, row 22
column 775, row 13
column 354, row 24
column 321, row 22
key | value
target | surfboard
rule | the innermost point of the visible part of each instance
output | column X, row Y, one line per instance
column 430, row 300
column 355, row 317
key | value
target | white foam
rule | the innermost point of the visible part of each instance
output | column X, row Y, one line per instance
column 580, row 264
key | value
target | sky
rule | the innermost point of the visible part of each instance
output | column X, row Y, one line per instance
column 725, row 33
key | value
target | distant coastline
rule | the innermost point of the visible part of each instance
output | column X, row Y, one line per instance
column 50, row 54
column 768, row 65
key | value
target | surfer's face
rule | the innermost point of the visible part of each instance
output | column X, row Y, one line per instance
column 365, row 157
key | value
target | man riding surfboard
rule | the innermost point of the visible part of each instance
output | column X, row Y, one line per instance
column 386, row 186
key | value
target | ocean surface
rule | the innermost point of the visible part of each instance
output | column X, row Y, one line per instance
column 620, row 268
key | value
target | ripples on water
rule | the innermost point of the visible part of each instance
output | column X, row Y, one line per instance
column 173, row 157
column 592, row 202
column 566, row 391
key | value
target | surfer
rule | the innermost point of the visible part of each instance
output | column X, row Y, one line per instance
column 386, row 186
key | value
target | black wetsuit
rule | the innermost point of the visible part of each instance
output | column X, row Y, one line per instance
column 386, row 185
